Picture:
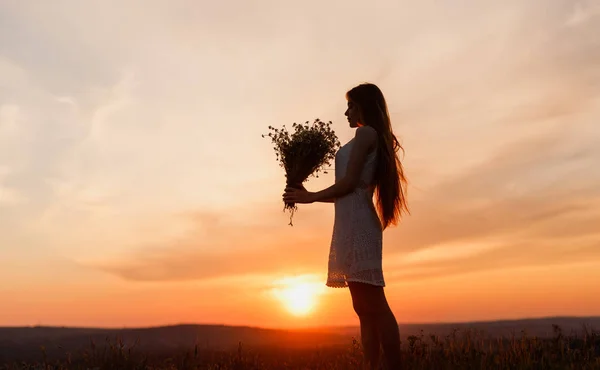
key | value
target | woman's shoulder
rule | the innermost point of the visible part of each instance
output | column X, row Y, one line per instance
column 366, row 134
column 366, row 131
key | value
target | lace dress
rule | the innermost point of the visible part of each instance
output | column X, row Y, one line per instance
column 356, row 246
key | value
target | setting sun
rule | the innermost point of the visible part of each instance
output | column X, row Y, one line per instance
column 299, row 295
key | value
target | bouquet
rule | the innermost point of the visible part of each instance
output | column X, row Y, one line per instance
column 303, row 153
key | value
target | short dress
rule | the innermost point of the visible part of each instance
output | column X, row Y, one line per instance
column 356, row 245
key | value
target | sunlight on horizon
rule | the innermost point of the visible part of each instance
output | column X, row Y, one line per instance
column 298, row 295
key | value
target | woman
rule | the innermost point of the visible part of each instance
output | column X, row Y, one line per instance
column 366, row 165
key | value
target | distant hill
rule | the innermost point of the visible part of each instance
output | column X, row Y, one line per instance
column 540, row 327
column 24, row 343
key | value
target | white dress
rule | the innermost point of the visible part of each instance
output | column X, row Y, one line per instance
column 356, row 245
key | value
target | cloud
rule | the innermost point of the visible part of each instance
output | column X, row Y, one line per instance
column 218, row 246
column 511, row 174
column 8, row 195
column 12, row 74
column 67, row 100
column 514, row 253
column 448, row 251
column 520, row 184
column 536, row 202
column 583, row 12
column 117, row 97
column 505, row 211
column 10, row 134
column 9, row 117
column 492, row 112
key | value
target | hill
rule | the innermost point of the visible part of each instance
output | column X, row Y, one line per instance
column 24, row 343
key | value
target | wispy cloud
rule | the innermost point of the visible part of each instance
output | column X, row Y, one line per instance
column 218, row 246
column 519, row 138
column 9, row 116
column 8, row 195
column 496, row 213
column 80, row 178
column 583, row 11
column 535, row 203
column 10, row 121
column 457, row 251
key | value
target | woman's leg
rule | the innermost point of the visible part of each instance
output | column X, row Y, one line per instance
column 390, row 339
column 369, row 328
column 378, row 321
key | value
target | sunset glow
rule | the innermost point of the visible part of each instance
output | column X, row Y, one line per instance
column 136, row 188
column 298, row 296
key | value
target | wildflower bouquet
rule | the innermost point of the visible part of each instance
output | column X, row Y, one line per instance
column 304, row 152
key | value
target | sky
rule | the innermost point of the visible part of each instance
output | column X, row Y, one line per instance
column 136, row 189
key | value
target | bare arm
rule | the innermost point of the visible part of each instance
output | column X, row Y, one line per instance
column 364, row 140
column 330, row 200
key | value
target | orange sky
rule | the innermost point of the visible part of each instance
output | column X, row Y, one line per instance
column 135, row 187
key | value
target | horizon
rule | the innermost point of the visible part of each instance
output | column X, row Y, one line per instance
column 307, row 328
column 136, row 189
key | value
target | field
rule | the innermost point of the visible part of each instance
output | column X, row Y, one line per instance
column 459, row 348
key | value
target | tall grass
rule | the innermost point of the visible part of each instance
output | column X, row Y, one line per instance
column 467, row 349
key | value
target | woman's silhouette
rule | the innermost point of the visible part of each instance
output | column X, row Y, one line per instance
column 367, row 165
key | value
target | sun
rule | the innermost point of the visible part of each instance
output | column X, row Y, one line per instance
column 298, row 295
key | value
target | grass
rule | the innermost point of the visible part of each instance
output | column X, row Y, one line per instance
column 459, row 350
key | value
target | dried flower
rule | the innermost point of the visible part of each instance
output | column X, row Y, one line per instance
column 304, row 152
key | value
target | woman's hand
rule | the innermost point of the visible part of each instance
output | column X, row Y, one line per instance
column 293, row 195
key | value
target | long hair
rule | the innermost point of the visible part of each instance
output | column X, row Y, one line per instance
column 390, row 181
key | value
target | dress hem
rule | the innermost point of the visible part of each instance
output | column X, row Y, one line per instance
column 345, row 283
